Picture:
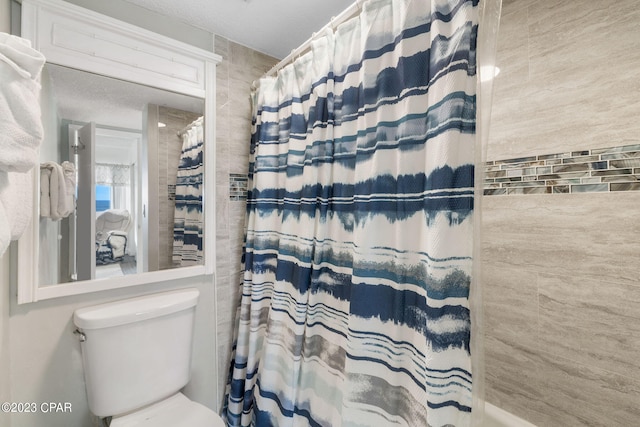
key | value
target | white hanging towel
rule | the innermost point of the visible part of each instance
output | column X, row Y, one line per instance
column 45, row 198
column 20, row 123
column 57, row 190
column 20, row 133
column 48, row 180
column 5, row 227
column 66, row 202
column 17, row 201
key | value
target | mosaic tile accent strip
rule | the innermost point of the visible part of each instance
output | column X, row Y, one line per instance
column 589, row 171
column 238, row 186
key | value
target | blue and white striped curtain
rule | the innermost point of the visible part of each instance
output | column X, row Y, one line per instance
column 354, row 306
column 187, row 228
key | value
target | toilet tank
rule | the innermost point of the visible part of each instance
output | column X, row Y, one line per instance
column 137, row 351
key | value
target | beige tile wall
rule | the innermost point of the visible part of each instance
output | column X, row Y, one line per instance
column 562, row 307
column 569, row 78
column 235, row 74
column 561, row 273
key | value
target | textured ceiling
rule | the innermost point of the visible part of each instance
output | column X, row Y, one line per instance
column 274, row 27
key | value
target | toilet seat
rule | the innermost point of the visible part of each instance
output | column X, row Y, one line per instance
column 175, row 411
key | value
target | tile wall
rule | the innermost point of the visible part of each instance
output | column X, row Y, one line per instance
column 238, row 189
column 561, row 272
column 585, row 171
column 562, row 311
column 240, row 66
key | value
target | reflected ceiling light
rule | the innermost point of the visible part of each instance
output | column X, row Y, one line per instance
column 488, row 72
column 162, row 125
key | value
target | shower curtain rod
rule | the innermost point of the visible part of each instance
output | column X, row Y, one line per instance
column 190, row 125
column 348, row 13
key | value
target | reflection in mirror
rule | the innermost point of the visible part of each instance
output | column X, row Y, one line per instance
column 120, row 180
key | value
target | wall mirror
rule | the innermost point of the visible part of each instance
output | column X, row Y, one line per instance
column 124, row 193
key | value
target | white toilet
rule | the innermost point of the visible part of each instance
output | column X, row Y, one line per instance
column 137, row 356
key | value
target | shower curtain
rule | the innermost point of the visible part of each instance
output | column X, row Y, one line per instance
column 354, row 305
column 187, row 228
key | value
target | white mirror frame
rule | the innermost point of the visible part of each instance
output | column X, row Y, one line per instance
column 75, row 37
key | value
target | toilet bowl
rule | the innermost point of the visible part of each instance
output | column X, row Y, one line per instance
column 175, row 411
column 136, row 355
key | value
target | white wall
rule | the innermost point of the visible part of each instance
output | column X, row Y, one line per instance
column 4, row 277
column 151, row 21
column 5, row 15
column 5, row 391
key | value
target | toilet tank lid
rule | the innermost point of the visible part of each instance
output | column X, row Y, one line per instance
column 135, row 309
